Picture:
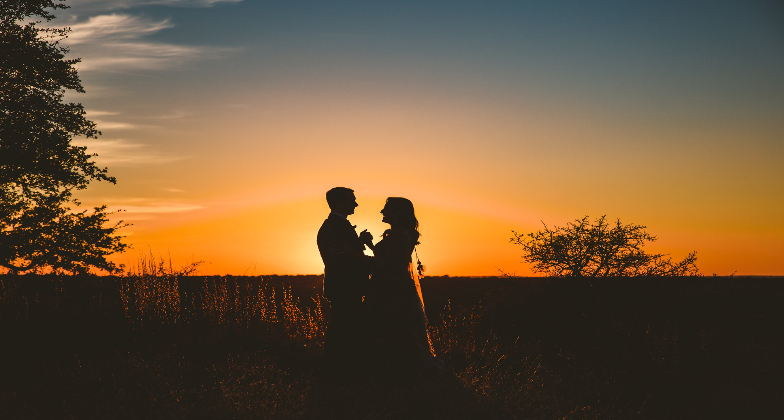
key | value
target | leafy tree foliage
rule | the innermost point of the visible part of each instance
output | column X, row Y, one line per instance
column 585, row 249
column 39, row 168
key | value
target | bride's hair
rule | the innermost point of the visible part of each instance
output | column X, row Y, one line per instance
column 407, row 219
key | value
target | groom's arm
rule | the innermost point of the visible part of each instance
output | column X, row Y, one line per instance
column 328, row 241
column 339, row 247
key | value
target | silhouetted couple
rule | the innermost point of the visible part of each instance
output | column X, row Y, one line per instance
column 377, row 322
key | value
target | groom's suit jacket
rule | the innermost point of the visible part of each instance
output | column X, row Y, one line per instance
column 345, row 274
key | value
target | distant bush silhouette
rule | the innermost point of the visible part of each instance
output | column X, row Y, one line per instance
column 585, row 249
column 39, row 168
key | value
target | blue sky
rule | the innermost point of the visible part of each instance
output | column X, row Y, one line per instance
column 665, row 113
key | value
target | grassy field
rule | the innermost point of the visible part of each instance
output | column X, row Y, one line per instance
column 170, row 346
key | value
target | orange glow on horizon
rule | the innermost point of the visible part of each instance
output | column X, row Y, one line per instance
column 278, row 237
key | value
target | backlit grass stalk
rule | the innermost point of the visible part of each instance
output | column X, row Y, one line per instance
column 302, row 324
column 238, row 306
column 150, row 290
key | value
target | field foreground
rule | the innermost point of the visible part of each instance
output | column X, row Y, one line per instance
column 168, row 346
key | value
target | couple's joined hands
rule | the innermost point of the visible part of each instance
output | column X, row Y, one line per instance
column 366, row 238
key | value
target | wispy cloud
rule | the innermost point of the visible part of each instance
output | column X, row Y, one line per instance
column 115, row 41
column 145, row 208
column 91, row 113
column 149, row 210
column 129, row 4
column 107, row 120
column 173, row 115
column 147, row 205
column 113, row 125
column 158, row 208
column 114, row 27
column 120, row 152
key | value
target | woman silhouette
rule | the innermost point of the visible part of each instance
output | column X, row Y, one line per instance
column 400, row 342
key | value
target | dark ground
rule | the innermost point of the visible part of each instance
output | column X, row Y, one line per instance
column 224, row 347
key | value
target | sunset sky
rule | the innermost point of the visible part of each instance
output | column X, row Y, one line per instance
column 225, row 122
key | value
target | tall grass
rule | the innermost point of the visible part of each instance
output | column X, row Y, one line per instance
column 20, row 301
column 153, row 292
column 164, row 343
column 232, row 305
column 150, row 290
column 308, row 324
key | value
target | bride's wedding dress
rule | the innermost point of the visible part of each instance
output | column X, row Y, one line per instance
column 398, row 327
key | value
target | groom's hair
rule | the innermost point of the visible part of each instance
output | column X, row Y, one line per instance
column 337, row 195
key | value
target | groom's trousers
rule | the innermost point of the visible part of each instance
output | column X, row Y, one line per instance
column 345, row 331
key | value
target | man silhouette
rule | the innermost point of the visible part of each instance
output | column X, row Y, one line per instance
column 346, row 271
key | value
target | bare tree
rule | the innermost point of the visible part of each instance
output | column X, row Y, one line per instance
column 585, row 249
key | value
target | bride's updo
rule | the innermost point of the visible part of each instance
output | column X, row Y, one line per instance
column 406, row 219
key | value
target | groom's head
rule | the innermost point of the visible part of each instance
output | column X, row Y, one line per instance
column 342, row 200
